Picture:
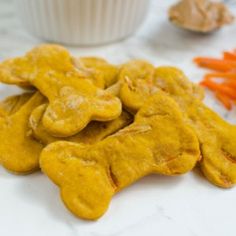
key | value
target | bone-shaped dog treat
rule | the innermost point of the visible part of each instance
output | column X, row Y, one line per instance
column 108, row 71
column 73, row 99
column 19, row 153
column 137, row 83
column 94, row 132
column 158, row 141
column 217, row 137
column 13, row 103
column 48, row 58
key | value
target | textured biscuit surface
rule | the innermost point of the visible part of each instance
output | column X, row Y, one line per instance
column 19, row 153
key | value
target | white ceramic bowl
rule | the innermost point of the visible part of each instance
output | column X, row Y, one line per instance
column 82, row 22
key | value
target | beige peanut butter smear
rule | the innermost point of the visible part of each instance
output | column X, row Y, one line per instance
column 200, row 15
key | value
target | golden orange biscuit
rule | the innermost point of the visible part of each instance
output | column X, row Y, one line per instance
column 216, row 136
column 136, row 83
column 73, row 99
column 19, row 152
column 158, row 141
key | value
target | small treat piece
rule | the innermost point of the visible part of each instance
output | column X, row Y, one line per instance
column 19, row 152
column 200, row 15
column 217, row 138
column 108, row 71
column 159, row 141
column 94, row 132
column 73, row 99
column 13, row 103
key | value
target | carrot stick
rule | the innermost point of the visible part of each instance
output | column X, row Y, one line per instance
column 231, row 76
column 219, row 88
column 230, row 84
column 225, row 100
column 230, row 56
column 215, row 64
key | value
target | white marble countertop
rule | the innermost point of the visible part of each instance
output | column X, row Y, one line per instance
column 157, row 205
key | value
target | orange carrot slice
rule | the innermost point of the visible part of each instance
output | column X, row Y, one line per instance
column 230, row 92
column 230, row 56
column 230, row 84
column 215, row 64
column 225, row 100
column 231, row 76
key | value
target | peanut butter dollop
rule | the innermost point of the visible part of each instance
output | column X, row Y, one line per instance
column 200, row 15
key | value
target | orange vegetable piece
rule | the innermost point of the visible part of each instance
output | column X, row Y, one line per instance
column 215, row 64
column 225, row 100
column 230, row 56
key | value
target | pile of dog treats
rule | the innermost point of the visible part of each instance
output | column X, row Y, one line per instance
column 95, row 128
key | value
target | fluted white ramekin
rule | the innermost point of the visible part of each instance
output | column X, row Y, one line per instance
column 82, row 22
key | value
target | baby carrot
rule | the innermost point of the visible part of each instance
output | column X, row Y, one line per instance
column 225, row 100
column 231, row 76
column 230, row 56
column 215, row 64
column 230, row 84
column 219, row 88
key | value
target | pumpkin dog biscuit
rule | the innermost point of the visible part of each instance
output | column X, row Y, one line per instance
column 217, row 137
column 73, row 99
column 94, row 132
column 19, row 153
column 89, row 175
column 48, row 58
column 137, row 83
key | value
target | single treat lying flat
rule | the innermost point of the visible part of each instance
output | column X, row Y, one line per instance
column 94, row 132
column 158, row 141
column 47, row 58
column 73, row 99
column 200, row 15
column 19, row 152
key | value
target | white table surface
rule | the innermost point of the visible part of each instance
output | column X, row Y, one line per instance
column 186, row 205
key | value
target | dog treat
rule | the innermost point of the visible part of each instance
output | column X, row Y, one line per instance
column 48, row 59
column 94, row 132
column 19, row 153
column 216, row 136
column 137, row 83
column 73, row 100
column 158, row 141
